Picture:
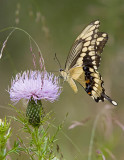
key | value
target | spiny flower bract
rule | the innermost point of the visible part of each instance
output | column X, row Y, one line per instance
column 35, row 84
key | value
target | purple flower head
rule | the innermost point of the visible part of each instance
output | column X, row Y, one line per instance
column 36, row 85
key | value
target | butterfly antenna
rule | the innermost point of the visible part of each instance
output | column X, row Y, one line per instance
column 55, row 58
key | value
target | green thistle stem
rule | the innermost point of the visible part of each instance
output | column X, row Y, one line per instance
column 38, row 145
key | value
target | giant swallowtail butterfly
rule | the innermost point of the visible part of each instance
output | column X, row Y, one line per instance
column 83, row 61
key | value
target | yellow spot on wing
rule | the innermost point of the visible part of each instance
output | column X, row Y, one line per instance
column 95, row 35
column 97, row 22
column 95, row 95
column 91, row 48
column 89, row 38
column 83, row 54
column 87, row 43
column 91, row 53
column 84, row 49
column 104, row 34
column 100, row 39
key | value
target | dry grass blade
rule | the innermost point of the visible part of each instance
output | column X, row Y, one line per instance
column 79, row 123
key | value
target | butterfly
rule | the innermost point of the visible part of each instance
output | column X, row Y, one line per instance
column 83, row 61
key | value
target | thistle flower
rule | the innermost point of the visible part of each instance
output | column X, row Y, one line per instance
column 34, row 86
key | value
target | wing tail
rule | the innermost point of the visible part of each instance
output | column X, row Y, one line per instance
column 109, row 99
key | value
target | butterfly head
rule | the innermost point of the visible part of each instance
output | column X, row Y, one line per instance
column 61, row 70
column 64, row 74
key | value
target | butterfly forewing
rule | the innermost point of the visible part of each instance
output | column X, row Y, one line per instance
column 84, row 43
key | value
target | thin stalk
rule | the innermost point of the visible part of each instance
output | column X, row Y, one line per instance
column 93, row 133
column 16, row 28
column 92, row 137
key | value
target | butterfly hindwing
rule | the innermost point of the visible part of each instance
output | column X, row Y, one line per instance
column 90, row 80
column 94, row 84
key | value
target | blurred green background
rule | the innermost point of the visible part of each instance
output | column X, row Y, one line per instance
column 54, row 25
